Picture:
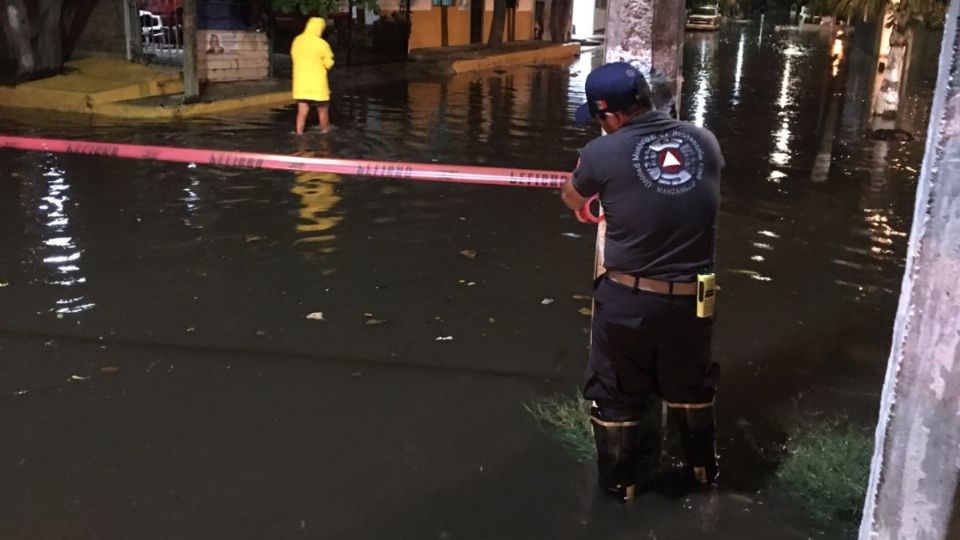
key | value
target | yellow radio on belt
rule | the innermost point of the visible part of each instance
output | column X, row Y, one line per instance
column 706, row 295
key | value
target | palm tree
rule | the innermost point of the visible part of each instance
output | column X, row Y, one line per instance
column 901, row 17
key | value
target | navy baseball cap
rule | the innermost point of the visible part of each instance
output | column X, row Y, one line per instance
column 612, row 87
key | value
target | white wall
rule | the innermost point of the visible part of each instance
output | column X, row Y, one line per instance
column 583, row 14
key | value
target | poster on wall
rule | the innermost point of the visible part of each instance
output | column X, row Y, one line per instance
column 225, row 55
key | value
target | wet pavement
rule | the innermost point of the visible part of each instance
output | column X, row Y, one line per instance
column 225, row 411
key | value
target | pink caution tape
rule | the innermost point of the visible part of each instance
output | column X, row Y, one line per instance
column 459, row 174
column 585, row 213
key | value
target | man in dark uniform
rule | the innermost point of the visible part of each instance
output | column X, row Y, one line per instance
column 658, row 180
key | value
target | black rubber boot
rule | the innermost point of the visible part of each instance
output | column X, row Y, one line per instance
column 698, row 437
column 627, row 452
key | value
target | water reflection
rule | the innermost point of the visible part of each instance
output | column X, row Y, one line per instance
column 832, row 99
column 191, row 201
column 879, row 218
column 58, row 250
column 837, row 51
column 317, row 195
column 785, row 115
column 760, row 36
column 703, row 78
column 738, row 71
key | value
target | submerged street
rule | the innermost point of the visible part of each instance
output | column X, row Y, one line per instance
column 164, row 372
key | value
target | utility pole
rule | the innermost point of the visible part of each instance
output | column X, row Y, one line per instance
column 914, row 473
column 191, row 84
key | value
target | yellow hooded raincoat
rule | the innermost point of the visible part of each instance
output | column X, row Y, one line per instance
column 312, row 57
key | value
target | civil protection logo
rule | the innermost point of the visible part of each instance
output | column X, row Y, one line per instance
column 671, row 163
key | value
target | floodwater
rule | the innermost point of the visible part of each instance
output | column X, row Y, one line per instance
column 445, row 308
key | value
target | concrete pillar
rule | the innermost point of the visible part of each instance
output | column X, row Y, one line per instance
column 914, row 473
column 649, row 35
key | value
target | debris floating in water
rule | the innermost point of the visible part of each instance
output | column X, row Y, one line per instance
column 316, row 316
column 469, row 253
column 547, row 301
column 444, row 338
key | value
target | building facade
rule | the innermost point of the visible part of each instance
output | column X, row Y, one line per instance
column 467, row 21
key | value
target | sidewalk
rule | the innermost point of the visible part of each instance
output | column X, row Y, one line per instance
column 91, row 83
column 116, row 88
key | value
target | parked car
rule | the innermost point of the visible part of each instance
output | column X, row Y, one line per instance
column 704, row 18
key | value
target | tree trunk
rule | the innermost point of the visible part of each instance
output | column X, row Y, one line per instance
column 16, row 27
column 888, row 100
column 496, row 25
column 191, row 84
column 566, row 21
column 547, row 20
column 444, row 27
column 76, row 15
column 561, row 17
column 49, row 36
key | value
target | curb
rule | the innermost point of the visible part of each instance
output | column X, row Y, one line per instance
column 137, row 112
column 90, row 85
column 51, row 100
column 557, row 52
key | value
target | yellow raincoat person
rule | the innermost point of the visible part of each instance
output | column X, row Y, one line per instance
column 312, row 58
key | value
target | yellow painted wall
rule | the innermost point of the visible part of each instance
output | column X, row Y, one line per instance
column 425, row 31
column 524, row 26
column 425, row 27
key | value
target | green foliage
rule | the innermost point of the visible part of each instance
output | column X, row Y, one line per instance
column 567, row 419
column 904, row 13
column 826, row 471
column 319, row 8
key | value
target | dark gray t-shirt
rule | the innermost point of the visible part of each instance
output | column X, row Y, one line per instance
column 659, row 183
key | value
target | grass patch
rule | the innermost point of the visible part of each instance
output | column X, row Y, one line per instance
column 566, row 419
column 826, row 470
